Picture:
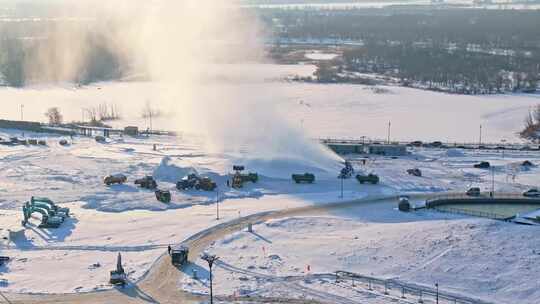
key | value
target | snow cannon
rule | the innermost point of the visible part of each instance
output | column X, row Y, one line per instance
column 347, row 171
column 308, row 178
column 118, row 276
column 370, row 178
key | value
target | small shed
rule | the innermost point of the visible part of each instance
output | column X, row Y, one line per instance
column 131, row 130
column 388, row 150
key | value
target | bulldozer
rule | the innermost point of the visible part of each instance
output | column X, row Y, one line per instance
column 118, row 276
column 147, row 182
column 303, row 178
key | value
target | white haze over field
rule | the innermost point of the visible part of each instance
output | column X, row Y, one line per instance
column 186, row 49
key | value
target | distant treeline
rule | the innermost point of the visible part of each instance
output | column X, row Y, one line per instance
column 457, row 50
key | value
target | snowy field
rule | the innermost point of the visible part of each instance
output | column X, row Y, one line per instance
column 318, row 110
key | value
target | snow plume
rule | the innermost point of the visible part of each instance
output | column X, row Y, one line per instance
column 191, row 51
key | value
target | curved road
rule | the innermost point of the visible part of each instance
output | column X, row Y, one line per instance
column 160, row 283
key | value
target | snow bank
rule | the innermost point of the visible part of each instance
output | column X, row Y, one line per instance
column 454, row 153
column 172, row 170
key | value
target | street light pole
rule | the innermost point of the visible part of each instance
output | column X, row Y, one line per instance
column 217, row 204
column 22, row 112
column 389, row 124
column 437, row 293
column 210, row 259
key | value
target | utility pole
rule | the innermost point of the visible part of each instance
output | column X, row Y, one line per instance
column 210, row 259
column 480, row 137
column 22, row 112
column 217, row 204
column 342, row 177
column 389, row 124
column 437, row 293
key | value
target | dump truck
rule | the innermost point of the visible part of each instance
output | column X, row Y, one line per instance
column 303, row 178
column 482, row 165
column 147, row 182
column 115, row 179
column 163, row 196
column 370, row 178
column 414, row 172
column 179, row 255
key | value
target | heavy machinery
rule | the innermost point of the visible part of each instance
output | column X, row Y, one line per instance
column 118, row 276
column 115, row 179
column 206, row 184
column 404, row 204
column 47, row 220
column 187, row 182
column 179, row 255
column 3, row 260
column 474, row 191
column 60, row 211
column 414, row 172
column 163, row 196
column 303, row 178
column 193, row 181
column 370, row 178
column 482, row 165
column 147, row 182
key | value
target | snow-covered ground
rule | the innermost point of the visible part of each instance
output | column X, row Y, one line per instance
column 126, row 219
column 485, row 259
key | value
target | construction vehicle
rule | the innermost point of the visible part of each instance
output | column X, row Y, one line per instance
column 187, row 182
column 60, row 211
column 482, row 165
column 63, row 142
column 303, row 178
column 163, row 196
column 414, row 172
column 179, row 255
column 404, row 204
column 370, row 178
column 193, row 181
column 3, row 260
column 474, row 191
column 206, row 184
column 115, row 179
column 147, row 182
column 118, row 276
column 47, row 220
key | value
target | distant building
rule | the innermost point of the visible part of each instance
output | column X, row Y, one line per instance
column 132, row 131
column 388, row 150
column 347, row 148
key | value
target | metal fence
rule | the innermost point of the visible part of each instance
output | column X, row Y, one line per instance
column 476, row 213
column 403, row 290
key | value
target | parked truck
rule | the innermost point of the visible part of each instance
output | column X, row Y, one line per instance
column 147, row 182
column 370, row 178
column 308, row 178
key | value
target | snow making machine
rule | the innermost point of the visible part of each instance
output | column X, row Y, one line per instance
column 308, row 178
column 240, row 178
column 347, row 171
column 118, row 276
column 179, row 255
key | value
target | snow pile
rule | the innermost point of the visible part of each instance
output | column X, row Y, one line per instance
column 172, row 170
column 454, row 153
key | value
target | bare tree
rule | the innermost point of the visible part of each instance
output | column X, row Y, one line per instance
column 54, row 116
